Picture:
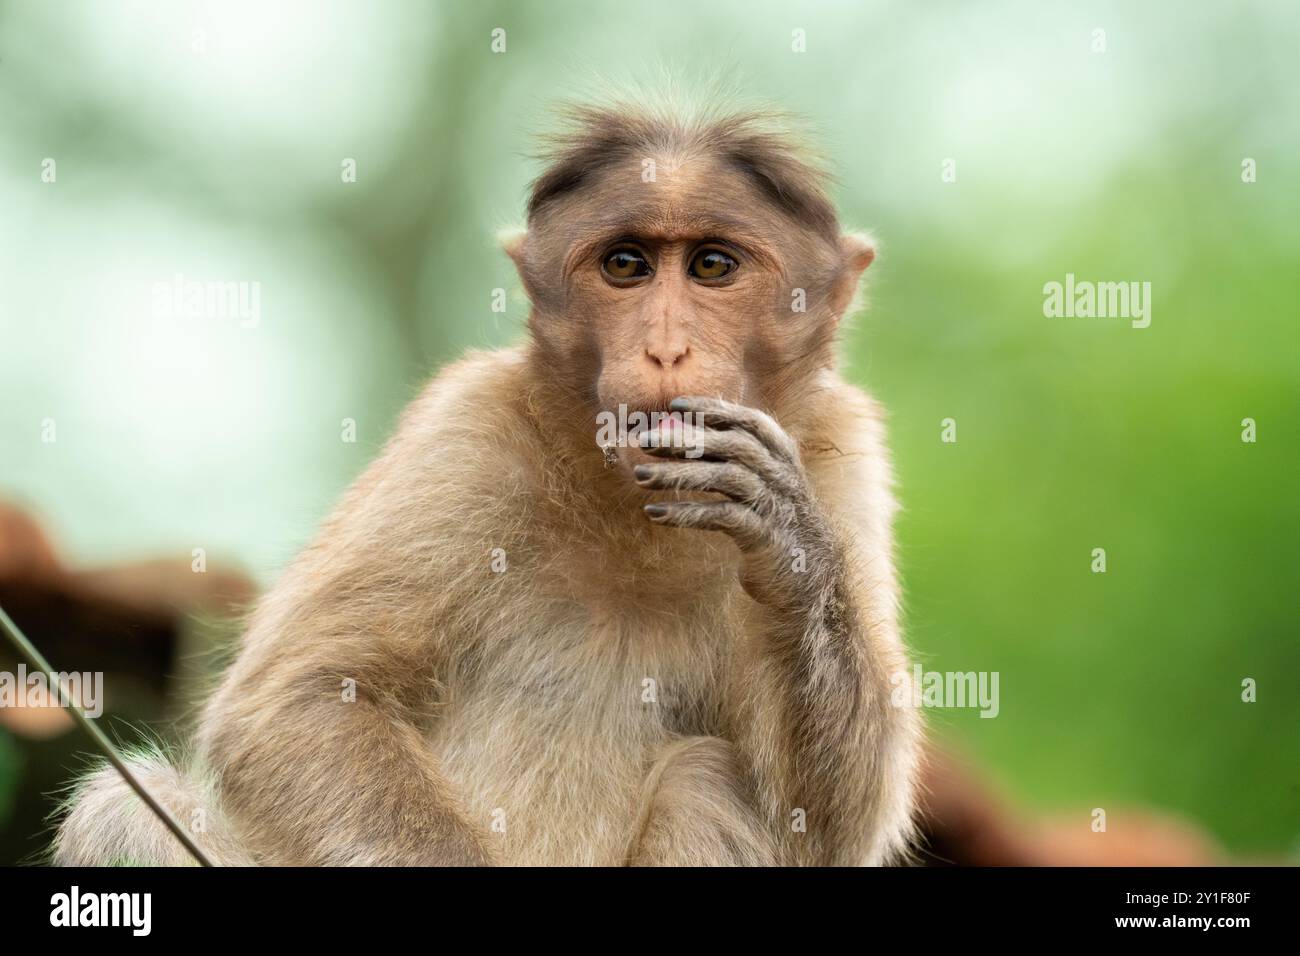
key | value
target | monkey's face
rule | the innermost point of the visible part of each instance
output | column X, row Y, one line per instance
column 679, row 276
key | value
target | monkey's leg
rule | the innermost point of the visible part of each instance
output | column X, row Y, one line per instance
column 693, row 810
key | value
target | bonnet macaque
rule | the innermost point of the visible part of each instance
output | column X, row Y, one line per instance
column 520, row 640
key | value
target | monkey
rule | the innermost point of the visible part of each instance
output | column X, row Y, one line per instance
column 511, row 645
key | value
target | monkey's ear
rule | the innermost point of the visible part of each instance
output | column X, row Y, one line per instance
column 512, row 241
column 857, row 251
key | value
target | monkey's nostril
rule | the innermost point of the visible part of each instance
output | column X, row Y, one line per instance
column 667, row 358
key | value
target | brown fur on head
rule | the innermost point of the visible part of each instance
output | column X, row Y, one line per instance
column 667, row 189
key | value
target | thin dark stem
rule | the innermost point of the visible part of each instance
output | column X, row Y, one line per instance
column 28, row 650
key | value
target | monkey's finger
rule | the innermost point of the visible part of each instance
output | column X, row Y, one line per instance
column 735, row 482
column 729, row 517
column 715, row 412
column 735, row 446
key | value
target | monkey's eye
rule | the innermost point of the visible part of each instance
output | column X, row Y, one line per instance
column 711, row 264
column 624, row 264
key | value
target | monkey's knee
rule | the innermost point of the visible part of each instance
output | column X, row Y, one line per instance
column 694, row 810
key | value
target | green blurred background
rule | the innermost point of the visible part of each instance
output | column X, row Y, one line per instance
column 206, row 139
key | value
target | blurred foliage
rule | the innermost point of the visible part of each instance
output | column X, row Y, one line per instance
column 206, row 140
column 10, row 768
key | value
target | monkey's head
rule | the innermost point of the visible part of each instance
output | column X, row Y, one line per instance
column 668, row 256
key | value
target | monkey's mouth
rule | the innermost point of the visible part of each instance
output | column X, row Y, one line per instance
column 660, row 420
column 663, row 429
column 624, row 435
column 667, row 426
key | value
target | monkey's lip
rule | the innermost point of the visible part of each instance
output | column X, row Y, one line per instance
column 662, row 419
column 664, row 425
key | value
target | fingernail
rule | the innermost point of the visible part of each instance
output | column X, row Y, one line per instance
column 679, row 405
column 642, row 472
column 656, row 511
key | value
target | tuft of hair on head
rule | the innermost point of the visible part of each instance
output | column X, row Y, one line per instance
column 764, row 144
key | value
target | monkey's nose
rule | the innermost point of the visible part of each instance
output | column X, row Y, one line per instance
column 668, row 356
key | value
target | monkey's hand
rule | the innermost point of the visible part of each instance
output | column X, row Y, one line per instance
column 790, row 552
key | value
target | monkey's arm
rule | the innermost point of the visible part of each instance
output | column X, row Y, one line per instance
column 831, row 759
column 319, row 733
column 312, row 776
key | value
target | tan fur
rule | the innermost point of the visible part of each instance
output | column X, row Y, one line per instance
column 501, row 717
column 107, row 824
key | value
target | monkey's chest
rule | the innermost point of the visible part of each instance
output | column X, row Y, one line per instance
column 547, row 739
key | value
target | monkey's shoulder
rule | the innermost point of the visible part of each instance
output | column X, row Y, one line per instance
column 451, row 466
column 847, row 458
column 467, row 421
column 475, row 398
column 415, row 533
column 842, row 425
